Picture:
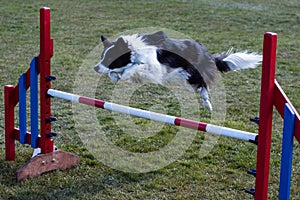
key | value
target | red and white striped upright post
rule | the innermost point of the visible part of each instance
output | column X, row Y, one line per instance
column 265, row 116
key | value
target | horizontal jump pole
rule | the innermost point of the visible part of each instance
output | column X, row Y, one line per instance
column 168, row 119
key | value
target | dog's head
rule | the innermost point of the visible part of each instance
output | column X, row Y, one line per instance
column 123, row 54
column 115, row 56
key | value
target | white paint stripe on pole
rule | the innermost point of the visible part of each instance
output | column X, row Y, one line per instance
column 140, row 113
column 63, row 95
column 219, row 130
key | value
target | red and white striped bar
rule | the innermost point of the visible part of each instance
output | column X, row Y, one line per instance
column 209, row 128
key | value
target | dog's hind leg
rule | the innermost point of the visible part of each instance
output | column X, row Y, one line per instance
column 205, row 97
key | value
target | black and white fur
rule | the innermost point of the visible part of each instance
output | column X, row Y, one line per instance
column 158, row 59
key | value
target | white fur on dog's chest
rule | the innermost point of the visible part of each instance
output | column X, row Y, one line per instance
column 145, row 66
column 144, row 55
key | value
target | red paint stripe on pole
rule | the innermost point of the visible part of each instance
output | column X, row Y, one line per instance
column 92, row 102
column 190, row 124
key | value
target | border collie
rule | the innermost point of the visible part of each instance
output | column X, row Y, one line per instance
column 158, row 59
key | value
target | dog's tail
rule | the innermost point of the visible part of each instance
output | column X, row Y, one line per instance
column 236, row 61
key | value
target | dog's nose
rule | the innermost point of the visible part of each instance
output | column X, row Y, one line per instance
column 101, row 69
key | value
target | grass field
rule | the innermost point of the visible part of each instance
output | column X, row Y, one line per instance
column 76, row 29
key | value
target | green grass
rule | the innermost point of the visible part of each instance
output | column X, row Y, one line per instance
column 76, row 29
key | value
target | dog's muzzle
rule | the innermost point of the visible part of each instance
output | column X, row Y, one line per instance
column 101, row 69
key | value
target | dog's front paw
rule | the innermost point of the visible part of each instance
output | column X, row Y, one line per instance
column 207, row 104
column 114, row 76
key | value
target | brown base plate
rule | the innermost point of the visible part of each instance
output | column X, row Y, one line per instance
column 47, row 162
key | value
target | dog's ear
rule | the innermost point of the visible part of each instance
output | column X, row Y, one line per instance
column 121, row 44
column 106, row 42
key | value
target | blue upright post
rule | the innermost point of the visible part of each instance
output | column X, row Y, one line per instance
column 34, row 103
column 22, row 108
column 287, row 153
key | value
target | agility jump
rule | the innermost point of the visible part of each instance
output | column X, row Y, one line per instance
column 50, row 159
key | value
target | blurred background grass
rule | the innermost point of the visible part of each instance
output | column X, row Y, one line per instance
column 76, row 27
